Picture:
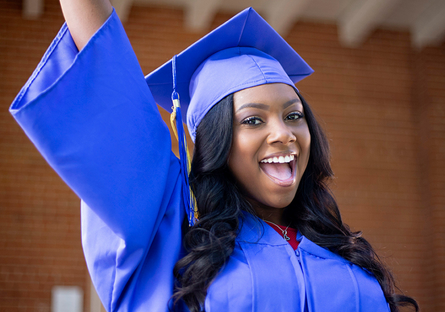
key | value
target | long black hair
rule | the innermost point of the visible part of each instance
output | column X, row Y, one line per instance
column 314, row 212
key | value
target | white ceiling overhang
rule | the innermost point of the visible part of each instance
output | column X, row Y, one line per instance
column 361, row 18
column 356, row 19
column 32, row 9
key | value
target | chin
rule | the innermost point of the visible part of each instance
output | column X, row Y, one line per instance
column 283, row 200
column 282, row 205
column 277, row 203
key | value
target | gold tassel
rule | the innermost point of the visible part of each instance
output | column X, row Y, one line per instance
column 173, row 117
column 176, row 105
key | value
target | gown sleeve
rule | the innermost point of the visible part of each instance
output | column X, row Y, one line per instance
column 92, row 117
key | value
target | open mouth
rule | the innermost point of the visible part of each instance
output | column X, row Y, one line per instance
column 280, row 169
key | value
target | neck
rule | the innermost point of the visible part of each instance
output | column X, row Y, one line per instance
column 268, row 213
column 275, row 216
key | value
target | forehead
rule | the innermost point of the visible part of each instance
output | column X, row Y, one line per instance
column 268, row 94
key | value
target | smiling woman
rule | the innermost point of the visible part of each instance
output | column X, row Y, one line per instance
column 265, row 233
column 269, row 126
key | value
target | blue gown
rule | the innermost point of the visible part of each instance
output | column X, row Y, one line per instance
column 93, row 118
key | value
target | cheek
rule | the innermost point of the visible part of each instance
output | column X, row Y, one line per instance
column 306, row 144
column 241, row 141
column 243, row 147
column 243, row 155
column 236, row 154
column 304, row 140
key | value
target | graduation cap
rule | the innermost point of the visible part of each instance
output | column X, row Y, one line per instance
column 243, row 52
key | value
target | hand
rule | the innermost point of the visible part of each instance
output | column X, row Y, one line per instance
column 84, row 18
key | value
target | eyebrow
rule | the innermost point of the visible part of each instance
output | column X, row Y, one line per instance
column 254, row 105
column 267, row 107
column 289, row 103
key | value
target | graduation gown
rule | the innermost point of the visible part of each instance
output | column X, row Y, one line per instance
column 93, row 118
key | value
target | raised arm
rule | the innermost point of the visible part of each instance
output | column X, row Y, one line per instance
column 92, row 116
column 84, row 18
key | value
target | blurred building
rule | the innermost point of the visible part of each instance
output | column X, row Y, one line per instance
column 378, row 88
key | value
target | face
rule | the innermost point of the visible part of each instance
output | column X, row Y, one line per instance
column 270, row 147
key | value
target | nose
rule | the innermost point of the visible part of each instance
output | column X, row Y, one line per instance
column 280, row 133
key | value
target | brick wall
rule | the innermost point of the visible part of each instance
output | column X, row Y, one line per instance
column 429, row 108
column 39, row 216
column 382, row 105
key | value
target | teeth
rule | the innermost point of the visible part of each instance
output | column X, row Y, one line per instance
column 280, row 159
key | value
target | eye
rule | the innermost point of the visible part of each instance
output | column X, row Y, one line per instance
column 252, row 121
column 294, row 116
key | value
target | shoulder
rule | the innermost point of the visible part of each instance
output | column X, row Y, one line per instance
column 334, row 276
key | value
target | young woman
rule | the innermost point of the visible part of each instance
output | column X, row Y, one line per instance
column 268, row 237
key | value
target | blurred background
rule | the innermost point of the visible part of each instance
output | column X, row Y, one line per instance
column 378, row 89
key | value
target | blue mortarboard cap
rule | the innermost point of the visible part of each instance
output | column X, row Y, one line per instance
column 243, row 52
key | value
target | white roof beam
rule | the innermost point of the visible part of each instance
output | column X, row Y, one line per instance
column 361, row 18
column 199, row 13
column 32, row 9
column 122, row 8
column 282, row 14
column 429, row 29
